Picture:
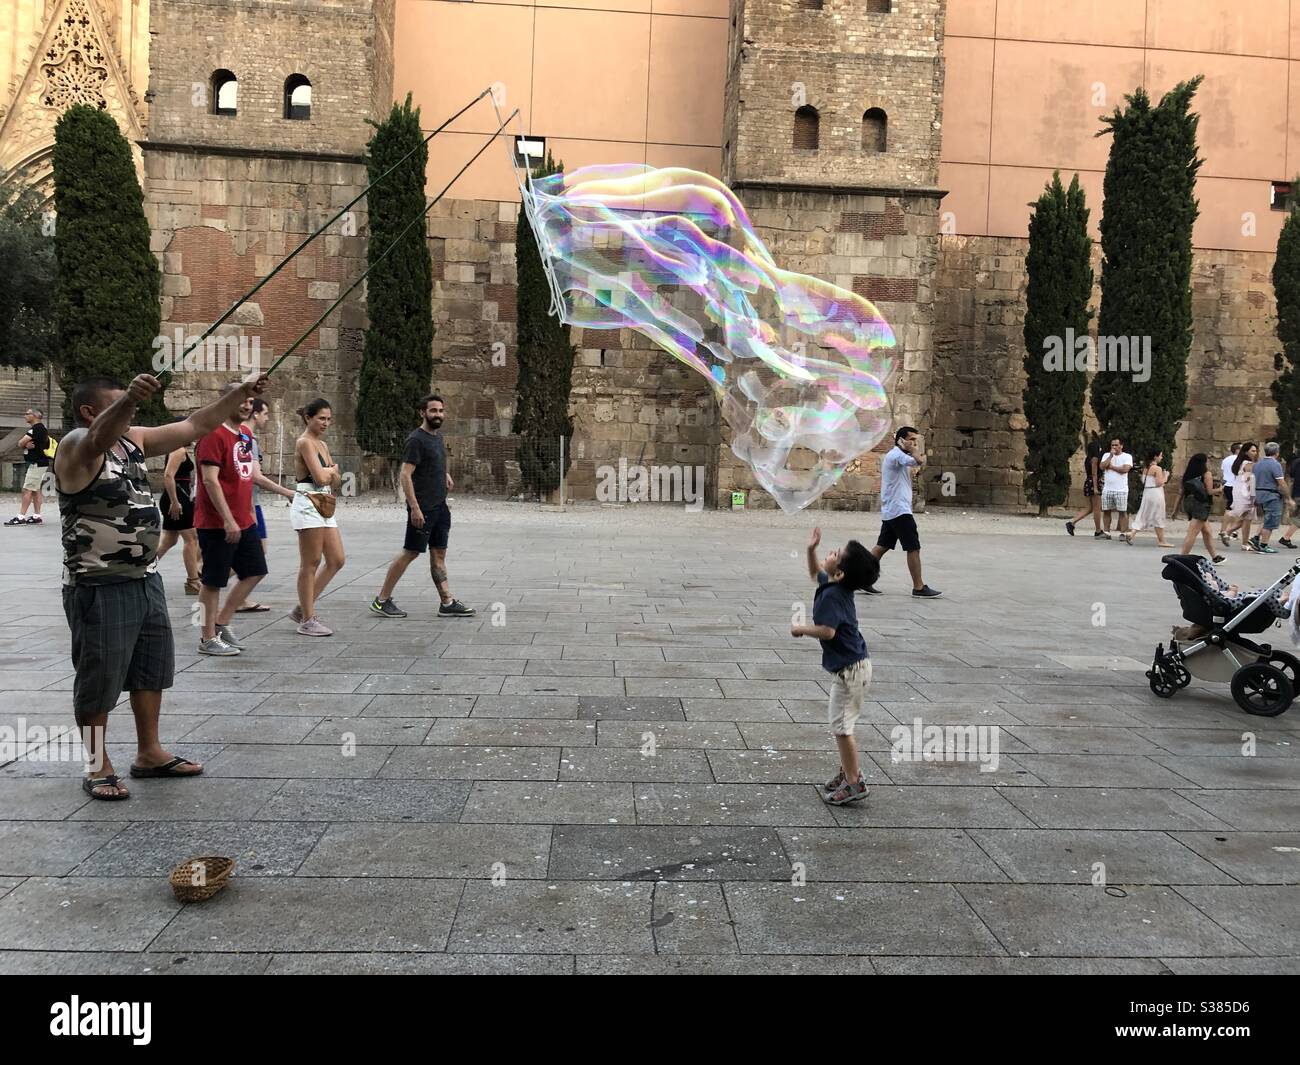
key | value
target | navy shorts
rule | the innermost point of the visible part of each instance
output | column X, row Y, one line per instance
column 245, row 557
column 899, row 530
column 436, row 531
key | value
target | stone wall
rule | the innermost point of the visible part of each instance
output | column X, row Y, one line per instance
column 219, row 223
column 842, row 61
column 977, row 433
column 344, row 47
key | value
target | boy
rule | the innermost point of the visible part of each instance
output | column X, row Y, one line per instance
column 844, row 652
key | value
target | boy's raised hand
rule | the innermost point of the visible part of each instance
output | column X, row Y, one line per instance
column 814, row 539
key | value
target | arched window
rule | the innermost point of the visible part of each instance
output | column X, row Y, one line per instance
column 225, row 93
column 875, row 131
column 806, row 123
column 297, row 98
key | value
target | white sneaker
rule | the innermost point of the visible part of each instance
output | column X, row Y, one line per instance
column 217, row 646
column 229, row 638
column 313, row 627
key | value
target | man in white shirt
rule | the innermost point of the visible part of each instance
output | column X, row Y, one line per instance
column 897, row 525
column 1115, row 467
column 1229, row 478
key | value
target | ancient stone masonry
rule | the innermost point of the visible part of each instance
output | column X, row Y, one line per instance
column 978, row 423
column 864, row 219
column 228, row 196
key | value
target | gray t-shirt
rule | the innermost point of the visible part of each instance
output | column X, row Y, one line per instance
column 896, row 484
column 1267, row 472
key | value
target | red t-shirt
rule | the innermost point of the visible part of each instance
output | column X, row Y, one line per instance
column 232, row 453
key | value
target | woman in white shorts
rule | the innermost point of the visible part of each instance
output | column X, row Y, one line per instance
column 320, row 545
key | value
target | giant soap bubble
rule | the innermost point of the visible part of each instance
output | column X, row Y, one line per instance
column 798, row 365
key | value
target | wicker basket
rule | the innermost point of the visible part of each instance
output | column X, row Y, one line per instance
column 212, row 870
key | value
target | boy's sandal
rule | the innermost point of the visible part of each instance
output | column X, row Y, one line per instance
column 168, row 770
column 89, row 784
column 849, row 793
column 835, row 782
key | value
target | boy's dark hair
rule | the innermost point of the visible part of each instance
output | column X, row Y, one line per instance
column 905, row 431
column 860, row 567
column 88, row 393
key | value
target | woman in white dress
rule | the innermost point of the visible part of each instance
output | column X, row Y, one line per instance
column 1243, row 496
column 1151, row 514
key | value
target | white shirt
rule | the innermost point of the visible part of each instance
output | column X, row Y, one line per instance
column 1228, row 479
column 1112, row 481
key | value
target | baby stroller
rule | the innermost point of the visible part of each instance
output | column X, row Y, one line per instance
column 1263, row 680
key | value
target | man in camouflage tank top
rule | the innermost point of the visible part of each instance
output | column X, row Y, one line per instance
column 112, row 594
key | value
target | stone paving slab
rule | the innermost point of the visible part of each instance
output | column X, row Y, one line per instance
column 464, row 797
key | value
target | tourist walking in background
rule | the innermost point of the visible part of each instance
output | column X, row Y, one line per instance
column 36, row 458
column 1228, row 475
column 1196, row 497
column 1091, row 489
column 1151, row 512
column 1271, row 492
column 1293, row 478
column 1238, row 518
column 320, row 544
column 425, row 483
column 177, row 506
column 257, row 420
column 898, row 469
column 1115, row 467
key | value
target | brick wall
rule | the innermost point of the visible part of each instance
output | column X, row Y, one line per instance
column 219, row 223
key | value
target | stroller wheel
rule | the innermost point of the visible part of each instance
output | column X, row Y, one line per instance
column 1161, row 685
column 1288, row 664
column 1262, row 689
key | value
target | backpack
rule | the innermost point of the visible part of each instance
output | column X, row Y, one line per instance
column 54, row 446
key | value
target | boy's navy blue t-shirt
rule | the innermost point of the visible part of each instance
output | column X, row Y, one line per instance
column 833, row 606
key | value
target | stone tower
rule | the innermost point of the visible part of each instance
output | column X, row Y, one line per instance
column 257, row 128
column 831, row 136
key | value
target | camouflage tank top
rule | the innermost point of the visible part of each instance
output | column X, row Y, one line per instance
column 111, row 527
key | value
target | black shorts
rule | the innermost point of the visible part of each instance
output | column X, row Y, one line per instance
column 185, row 521
column 1227, row 497
column 899, row 530
column 121, row 641
column 245, row 557
column 436, row 531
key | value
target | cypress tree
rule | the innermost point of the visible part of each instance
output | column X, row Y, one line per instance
column 1286, row 286
column 108, row 313
column 545, row 364
column 27, row 283
column 397, row 360
column 1056, row 309
column 1146, row 292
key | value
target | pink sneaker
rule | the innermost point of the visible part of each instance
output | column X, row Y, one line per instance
column 313, row 627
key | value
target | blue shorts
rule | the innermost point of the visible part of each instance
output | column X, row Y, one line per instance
column 261, row 522
column 1271, row 504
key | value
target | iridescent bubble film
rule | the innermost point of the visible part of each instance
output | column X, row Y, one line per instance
column 798, row 365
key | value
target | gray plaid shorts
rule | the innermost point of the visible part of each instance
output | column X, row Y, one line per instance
column 1114, row 501
column 121, row 641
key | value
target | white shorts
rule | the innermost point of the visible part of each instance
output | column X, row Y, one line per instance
column 302, row 515
column 848, row 687
column 34, row 477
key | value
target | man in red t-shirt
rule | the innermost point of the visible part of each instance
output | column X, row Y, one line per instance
column 227, row 528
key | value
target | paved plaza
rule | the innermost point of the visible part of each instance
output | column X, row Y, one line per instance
column 614, row 767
